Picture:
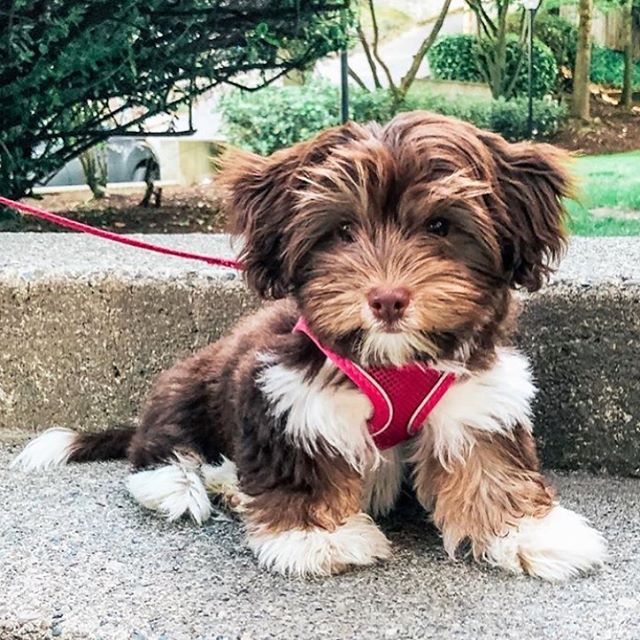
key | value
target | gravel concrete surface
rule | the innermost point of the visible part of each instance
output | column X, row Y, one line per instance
column 80, row 560
column 35, row 255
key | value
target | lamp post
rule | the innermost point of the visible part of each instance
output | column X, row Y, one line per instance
column 531, row 7
column 344, row 77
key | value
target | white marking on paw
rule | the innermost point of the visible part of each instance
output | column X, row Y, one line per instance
column 51, row 449
column 222, row 480
column 173, row 490
column 318, row 552
column 556, row 547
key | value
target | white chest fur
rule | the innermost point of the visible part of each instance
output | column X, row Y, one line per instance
column 493, row 400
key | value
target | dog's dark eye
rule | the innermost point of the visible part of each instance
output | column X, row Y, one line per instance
column 438, row 227
column 346, row 233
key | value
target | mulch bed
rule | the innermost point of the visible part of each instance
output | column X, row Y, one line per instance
column 612, row 130
column 182, row 210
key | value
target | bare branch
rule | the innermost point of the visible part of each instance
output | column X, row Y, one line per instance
column 427, row 43
column 376, row 55
column 483, row 17
column 367, row 52
column 357, row 79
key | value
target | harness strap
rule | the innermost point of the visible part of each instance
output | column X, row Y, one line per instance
column 402, row 397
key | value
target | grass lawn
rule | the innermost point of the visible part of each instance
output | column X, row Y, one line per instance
column 609, row 187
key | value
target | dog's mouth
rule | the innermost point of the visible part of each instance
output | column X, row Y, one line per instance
column 389, row 327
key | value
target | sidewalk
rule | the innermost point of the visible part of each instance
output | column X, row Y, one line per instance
column 80, row 560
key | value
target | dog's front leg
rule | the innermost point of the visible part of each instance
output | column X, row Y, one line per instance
column 303, row 510
column 297, row 528
column 493, row 495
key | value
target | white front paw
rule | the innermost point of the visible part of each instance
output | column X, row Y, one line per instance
column 309, row 552
column 556, row 547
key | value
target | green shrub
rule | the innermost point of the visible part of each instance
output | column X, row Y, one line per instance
column 560, row 35
column 510, row 118
column 455, row 58
column 278, row 117
column 476, row 111
column 506, row 117
column 607, row 67
column 459, row 58
column 376, row 106
column 545, row 69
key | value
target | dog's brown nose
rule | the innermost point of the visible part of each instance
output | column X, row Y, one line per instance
column 388, row 305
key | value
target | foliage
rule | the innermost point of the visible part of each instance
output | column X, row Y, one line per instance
column 460, row 57
column 545, row 69
column 607, row 67
column 506, row 117
column 455, row 58
column 509, row 117
column 556, row 32
column 277, row 117
column 74, row 73
column 369, row 35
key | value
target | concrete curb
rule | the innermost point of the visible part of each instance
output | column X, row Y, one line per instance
column 86, row 324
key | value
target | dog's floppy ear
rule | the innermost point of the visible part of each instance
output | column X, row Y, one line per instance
column 533, row 179
column 256, row 197
column 259, row 197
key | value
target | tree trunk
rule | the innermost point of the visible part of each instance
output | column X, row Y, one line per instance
column 580, row 97
column 626, row 99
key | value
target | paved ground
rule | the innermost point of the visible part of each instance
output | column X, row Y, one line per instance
column 80, row 560
column 34, row 256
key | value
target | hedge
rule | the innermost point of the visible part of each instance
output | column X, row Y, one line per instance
column 560, row 35
column 607, row 67
column 459, row 58
column 277, row 117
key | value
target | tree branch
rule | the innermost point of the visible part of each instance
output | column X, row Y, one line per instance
column 427, row 43
column 357, row 79
column 367, row 52
column 376, row 55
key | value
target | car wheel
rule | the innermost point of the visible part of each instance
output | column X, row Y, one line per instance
column 140, row 172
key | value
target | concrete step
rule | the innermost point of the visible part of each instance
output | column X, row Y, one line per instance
column 85, row 325
column 81, row 561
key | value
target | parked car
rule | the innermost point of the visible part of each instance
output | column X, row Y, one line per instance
column 127, row 160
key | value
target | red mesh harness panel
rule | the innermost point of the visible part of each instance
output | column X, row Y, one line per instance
column 402, row 397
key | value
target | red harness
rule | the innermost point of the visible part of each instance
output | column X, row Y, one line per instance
column 402, row 397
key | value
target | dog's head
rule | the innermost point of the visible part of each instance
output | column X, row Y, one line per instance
column 402, row 242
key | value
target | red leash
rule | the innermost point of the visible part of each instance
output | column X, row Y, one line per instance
column 61, row 221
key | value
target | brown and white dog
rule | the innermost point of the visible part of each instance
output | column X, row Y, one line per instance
column 447, row 221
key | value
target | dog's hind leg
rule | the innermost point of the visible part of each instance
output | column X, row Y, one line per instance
column 174, row 490
column 222, row 482
column 180, row 430
column 181, row 487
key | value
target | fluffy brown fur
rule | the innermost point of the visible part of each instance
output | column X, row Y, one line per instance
column 452, row 217
column 482, row 497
